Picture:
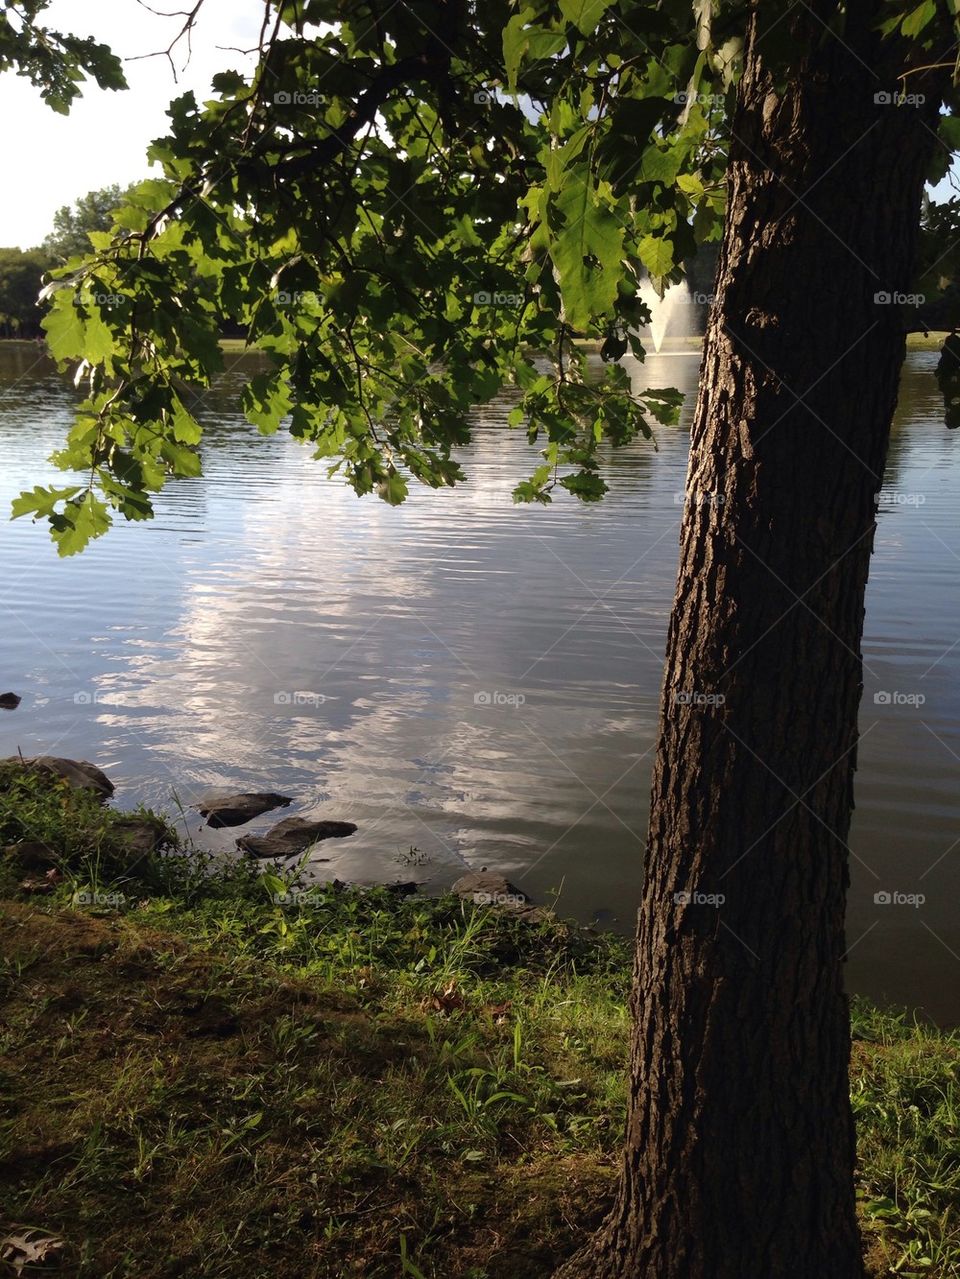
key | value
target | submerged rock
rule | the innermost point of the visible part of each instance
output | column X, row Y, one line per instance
column 487, row 888
column 9, row 701
column 234, row 810
column 405, row 889
column 78, row 772
column 292, row 836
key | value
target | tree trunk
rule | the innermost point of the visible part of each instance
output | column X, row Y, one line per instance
column 739, row 1153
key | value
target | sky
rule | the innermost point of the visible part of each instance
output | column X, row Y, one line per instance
column 104, row 139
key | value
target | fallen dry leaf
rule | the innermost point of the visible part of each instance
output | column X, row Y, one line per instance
column 447, row 1000
column 45, row 885
column 499, row 1012
column 28, row 1247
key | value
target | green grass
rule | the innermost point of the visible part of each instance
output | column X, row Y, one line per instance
column 204, row 1081
column 906, row 1101
column 925, row 341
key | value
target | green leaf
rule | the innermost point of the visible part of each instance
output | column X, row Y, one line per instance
column 266, row 400
column 544, row 44
column 690, row 185
column 917, row 19
column 186, row 428
column 587, row 251
column 584, row 14
column 64, row 328
column 586, row 485
column 949, row 131
column 227, row 82
column 132, row 503
column 656, row 254
column 40, row 501
column 521, row 40
column 536, row 488
column 393, row 488
column 661, row 164
column 81, row 520
column 181, row 460
column 273, row 884
column 99, row 342
column 635, row 118
column 516, row 40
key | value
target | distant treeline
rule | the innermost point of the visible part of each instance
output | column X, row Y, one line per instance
column 22, row 271
column 21, row 278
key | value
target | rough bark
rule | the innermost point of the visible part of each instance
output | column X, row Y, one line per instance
column 739, row 1153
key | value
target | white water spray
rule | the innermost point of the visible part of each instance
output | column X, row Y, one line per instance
column 670, row 316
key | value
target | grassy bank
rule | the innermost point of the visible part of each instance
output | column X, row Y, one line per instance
column 238, row 346
column 915, row 342
column 925, row 341
column 200, row 1079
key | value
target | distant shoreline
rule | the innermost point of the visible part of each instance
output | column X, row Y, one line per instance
column 931, row 341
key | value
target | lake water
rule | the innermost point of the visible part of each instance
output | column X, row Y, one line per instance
column 469, row 678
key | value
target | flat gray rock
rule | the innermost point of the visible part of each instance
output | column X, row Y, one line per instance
column 488, row 888
column 292, row 836
column 78, row 772
column 234, row 810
